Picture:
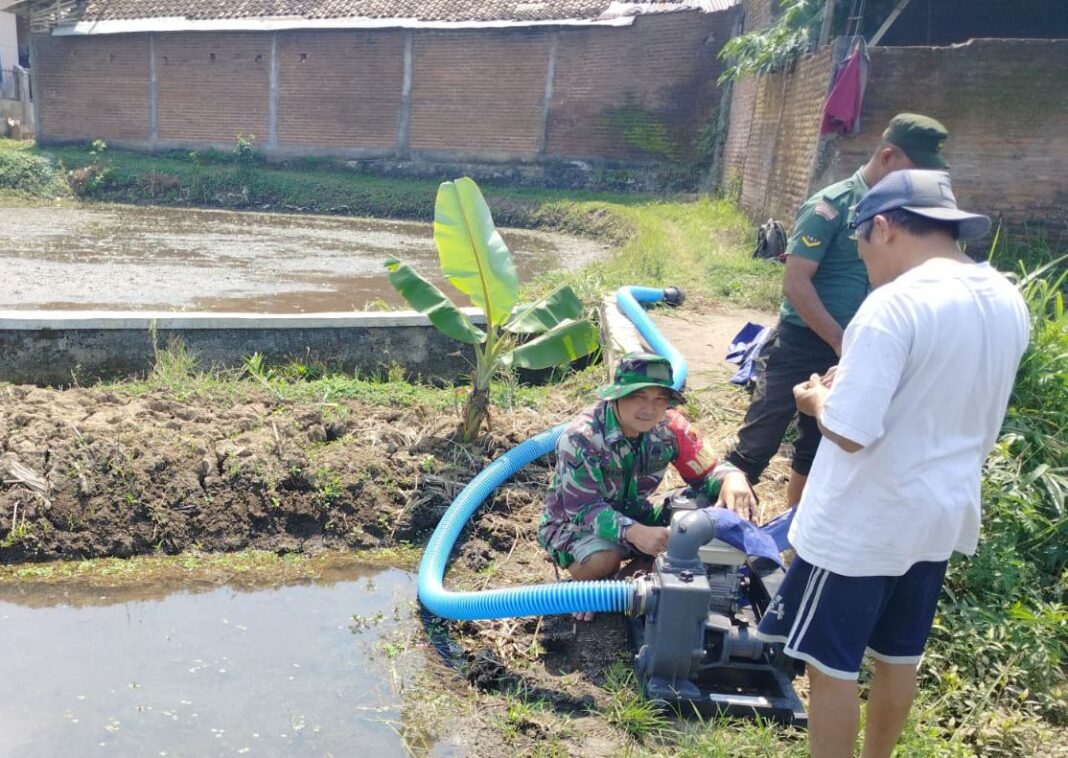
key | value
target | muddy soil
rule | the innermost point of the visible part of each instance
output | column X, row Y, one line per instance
column 90, row 473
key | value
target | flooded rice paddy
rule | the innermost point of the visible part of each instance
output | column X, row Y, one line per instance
column 145, row 258
column 305, row 669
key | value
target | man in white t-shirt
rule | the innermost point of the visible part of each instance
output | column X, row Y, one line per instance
column 908, row 419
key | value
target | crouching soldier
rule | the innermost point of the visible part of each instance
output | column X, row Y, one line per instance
column 611, row 459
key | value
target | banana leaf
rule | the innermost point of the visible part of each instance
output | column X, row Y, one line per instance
column 566, row 342
column 473, row 256
column 540, row 316
column 432, row 302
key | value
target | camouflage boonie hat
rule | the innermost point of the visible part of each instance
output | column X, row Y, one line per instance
column 637, row 371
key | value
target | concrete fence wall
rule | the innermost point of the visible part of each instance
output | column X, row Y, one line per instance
column 629, row 94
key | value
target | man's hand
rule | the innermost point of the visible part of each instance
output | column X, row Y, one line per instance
column 651, row 540
column 810, row 395
column 736, row 495
column 828, row 379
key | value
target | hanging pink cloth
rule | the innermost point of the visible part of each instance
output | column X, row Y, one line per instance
column 841, row 112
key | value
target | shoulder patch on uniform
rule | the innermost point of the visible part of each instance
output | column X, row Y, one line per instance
column 808, row 241
column 826, row 210
column 836, row 191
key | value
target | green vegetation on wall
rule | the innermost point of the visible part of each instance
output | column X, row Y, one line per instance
column 795, row 32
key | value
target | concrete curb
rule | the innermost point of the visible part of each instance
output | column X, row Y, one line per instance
column 619, row 336
column 80, row 347
column 91, row 320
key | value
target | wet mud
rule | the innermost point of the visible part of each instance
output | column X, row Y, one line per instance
column 89, row 473
column 150, row 258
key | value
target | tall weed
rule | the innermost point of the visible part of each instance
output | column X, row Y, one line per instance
column 1000, row 646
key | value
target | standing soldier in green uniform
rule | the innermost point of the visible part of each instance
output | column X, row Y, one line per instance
column 824, row 283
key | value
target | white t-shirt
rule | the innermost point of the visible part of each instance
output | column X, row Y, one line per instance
column 927, row 367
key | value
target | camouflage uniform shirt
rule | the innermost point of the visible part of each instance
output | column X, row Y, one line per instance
column 603, row 480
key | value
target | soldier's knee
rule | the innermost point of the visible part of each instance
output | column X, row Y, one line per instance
column 599, row 565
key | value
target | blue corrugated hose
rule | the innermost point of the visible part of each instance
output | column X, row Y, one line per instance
column 544, row 599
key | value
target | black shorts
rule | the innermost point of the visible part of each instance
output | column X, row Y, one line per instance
column 790, row 356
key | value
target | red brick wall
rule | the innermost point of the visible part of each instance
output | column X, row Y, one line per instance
column 340, row 88
column 202, row 99
column 772, row 137
column 759, row 14
column 478, row 91
column 93, row 88
column 739, row 129
column 634, row 93
column 1005, row 104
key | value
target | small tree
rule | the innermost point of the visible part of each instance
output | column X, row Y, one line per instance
column 794, row 33
column 476, row 261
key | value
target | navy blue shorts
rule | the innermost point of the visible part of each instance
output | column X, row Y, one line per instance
column 830, row 621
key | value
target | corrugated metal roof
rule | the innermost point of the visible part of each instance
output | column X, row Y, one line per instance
column 448, row 11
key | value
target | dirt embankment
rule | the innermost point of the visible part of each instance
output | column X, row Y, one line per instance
column 90, row 473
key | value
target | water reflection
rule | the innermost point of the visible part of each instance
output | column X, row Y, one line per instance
column 138, row 258
column 219, row 671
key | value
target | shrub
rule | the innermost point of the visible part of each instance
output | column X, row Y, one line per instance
column 1001, row 642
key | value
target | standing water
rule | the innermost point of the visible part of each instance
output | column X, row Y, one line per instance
column 134, row 258
column 150, row 672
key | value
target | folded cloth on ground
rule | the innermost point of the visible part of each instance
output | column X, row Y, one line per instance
column 744, row 349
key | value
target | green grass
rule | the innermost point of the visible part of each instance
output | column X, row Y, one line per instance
column 177, row 374
column 246, row 566
column 27, row 174
column 701, row 245
column 997, row 657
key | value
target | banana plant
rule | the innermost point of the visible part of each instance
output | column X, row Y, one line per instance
column 476, row 261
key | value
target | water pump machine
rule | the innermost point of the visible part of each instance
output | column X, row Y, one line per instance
column 692, row 620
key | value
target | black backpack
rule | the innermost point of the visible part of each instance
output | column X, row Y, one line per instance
column 771, row 241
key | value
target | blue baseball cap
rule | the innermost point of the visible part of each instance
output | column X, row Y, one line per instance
column 925, row 193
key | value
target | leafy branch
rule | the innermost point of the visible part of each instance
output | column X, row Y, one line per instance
column 793, row 34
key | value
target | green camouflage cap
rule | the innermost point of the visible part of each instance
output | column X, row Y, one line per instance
column 637, row 371
column 919, row 137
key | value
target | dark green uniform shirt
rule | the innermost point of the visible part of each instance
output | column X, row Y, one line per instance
column 821, row 233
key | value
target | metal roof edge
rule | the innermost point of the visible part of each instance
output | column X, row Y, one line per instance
column 283, row 23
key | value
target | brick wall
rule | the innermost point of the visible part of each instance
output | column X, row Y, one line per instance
column 93, row 87
column 1005, row 104
column 339, row 88
column 637, row 93
column 759, row 14
column 739, row 131
column 479, row 92
column 772, row 137
column 212, row 87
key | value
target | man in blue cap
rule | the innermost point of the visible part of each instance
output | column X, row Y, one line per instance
column 894, row 488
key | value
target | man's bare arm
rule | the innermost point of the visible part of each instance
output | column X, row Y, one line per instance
column 810, row 396
column 798, row 288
